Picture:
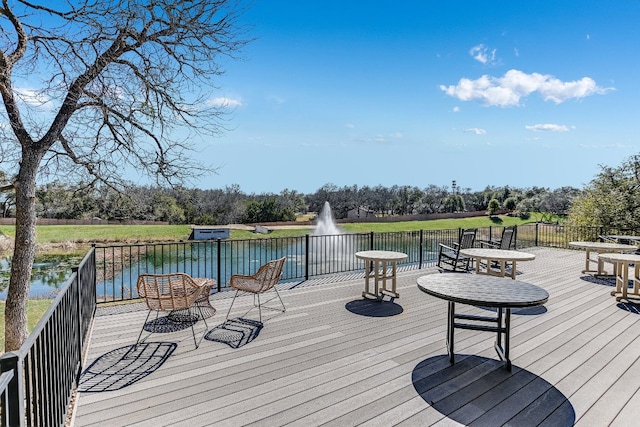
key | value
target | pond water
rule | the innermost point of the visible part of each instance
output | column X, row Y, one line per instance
column 49, row 274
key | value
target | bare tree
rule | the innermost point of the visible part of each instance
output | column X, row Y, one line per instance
column 115, row 81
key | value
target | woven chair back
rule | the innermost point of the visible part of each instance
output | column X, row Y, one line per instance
column 167, row 292
column 269, row 274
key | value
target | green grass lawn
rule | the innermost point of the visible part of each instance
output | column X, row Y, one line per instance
column 440, row 224
column 35, row 309
column 86, row 234
column 104, row 233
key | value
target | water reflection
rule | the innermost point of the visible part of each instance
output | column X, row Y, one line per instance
column 49, row 274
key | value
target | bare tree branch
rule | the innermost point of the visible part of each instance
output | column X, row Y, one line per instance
column 114, row 86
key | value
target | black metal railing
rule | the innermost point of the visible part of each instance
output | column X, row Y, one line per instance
column 559, row 236
column 5, row 378
column 37, row 381
column 42, row 374
column 118, row 267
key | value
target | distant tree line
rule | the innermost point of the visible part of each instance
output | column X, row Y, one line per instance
column 230, row 205
column 612, row 199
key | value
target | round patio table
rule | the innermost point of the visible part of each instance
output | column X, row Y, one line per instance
column 500, row 256
column 619, row 238
column 622, row 263
column 485, row 291
column 600, row 247
column 376, row 266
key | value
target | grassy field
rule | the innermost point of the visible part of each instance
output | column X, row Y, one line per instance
column 442, row 224
column 104, row 234
column 35, row 309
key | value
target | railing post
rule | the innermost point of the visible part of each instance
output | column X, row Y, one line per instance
column 371, row 240
column 306, row 258
column 76, row 271
column 219, row 266
column 536, row 240
column 421, row 257
column 15, row 389
column 5, row 378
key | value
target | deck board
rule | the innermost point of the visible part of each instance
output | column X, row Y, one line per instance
column 333, row 359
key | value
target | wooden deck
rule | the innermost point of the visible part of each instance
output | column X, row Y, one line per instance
column 334, row 359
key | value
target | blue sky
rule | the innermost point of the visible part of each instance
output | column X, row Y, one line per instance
column 416, row 93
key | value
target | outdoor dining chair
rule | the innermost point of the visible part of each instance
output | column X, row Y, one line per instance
column 505, row 241
column 173, row 293
column 451, row 254
column 264, row 280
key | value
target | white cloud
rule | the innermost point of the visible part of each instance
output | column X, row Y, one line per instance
column 477, row 131
column 509, row 89
column 482, row 54
column 350, row 126
column 456, row 109
column 547, row 127
column 225, row 102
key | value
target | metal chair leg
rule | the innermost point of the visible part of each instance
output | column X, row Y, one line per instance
column 229, row 311
column 206, row 327
column 142, row 330
column 256, row 298
column 280, row 298
column 259, row 308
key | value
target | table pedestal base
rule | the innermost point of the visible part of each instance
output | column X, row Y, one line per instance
column 600, row 271
column 490, row 271
column 381, row 272
column 502, row 329
column 622, row 281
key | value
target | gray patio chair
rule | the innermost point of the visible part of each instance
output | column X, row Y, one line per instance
column 265, row 279
column 451, row 254
column 173, row 293
column 504, row 242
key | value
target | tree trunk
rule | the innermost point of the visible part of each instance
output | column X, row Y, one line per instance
column 23, row 253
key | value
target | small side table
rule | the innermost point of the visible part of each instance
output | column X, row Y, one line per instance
column 622, row 263
column 379, row 261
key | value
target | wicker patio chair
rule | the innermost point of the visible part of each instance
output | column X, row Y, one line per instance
column 265, row 279
column 451, row 255
column 174, row 292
